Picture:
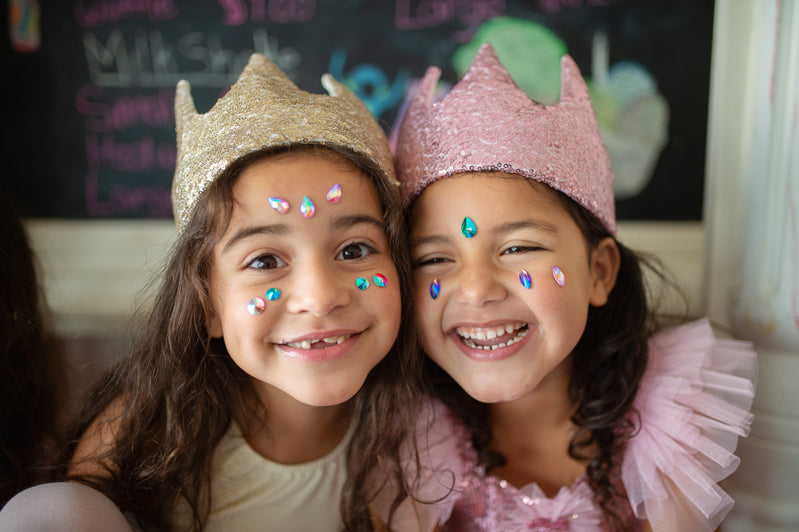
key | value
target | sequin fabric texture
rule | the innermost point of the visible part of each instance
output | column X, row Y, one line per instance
column 487, row 123
column 264, row 109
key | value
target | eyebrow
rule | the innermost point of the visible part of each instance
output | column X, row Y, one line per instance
column 538, row 225
column 342, row 222
column 502, row 229
column 272, row 229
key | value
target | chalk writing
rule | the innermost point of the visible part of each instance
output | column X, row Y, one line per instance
column 369, row 83
column 410, row 15
column 554, row 6
column 142, row 155
column 112, row 11
column 121, row 113
column 280, row 11
column 152, row 201
column 147, row 60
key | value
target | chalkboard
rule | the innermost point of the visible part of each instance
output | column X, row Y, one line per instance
column 88, row 129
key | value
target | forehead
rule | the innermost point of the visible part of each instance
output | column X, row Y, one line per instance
column 494, row 195
column 294, row 175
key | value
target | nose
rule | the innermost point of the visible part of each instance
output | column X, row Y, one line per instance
column 318, row 289
column 479, row 283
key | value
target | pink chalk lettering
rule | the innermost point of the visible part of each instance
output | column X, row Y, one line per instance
column 143, row 155
column 410, row 15
column 152, row 201
column 113, row 11
column 555, row 6
column 235, row 12
column 119, row 114
column 283, row 11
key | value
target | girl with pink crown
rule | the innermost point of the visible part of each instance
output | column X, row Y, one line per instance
column 559, row 401
column 275, row 371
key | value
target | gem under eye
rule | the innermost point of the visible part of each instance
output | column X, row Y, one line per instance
column 273, row 294
column 558, row 275
column 468, row 227
column 379, row 279
column 279, row 204
column 525, row 279
column 256, row 306
column 435, row 288
column 307, row 208
column 362, row 283
column 334, row 194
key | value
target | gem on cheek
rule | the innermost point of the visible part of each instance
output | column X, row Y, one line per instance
column 307, row 208
column 273, row 294
column 435, row 288
column 379, row 279
column 334, row 194
column 279, row 204
column 362, row 283
column 558, row 275
column 468, row 227
column 256, row 306
column 525, row 279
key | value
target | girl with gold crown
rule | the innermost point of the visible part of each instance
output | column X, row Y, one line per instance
column 275, row 371
column 558, row 405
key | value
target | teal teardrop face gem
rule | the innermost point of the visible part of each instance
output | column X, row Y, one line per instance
column 379, row 279
column 468, row 227
column 307, row 208
column 362, row 283
column 273, row 294
column 525, row 279
column 435, row 288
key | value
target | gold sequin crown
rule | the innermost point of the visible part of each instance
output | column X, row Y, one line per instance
column 264, row 109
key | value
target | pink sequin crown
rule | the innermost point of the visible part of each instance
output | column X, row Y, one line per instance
column 264, row 109
column 487, row 123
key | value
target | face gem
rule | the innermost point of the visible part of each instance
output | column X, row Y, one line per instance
column 379, row 279
column 334, row 194
column 558, row 275
column 256, row 306
column 435, row 288
column 273, row 294
column 525, row 279
column 468, row 227
column 362, row 283
column 307, row 208
column 279, row 204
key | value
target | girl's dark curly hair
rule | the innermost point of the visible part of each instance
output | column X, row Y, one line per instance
column 172, row 399
column 609, row 361
column 32, row 364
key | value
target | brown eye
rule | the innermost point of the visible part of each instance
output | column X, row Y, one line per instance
column 355, row 251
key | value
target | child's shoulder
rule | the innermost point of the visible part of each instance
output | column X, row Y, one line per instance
column 693, row 402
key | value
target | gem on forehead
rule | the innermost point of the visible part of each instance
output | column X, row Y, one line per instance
column 362, row 283
column 525, row 279
column 379, row 279
column 256, row 306
column 307, row 208
column 273, row 294
column 435, row 288
column 334, row 194
column 558, row 275
column 279, row 204
column 468, row 227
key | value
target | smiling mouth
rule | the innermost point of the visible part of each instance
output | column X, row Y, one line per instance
column 321, row 343
column 492, row 338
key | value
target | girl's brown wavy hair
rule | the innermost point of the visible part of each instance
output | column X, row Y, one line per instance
column 178, row 388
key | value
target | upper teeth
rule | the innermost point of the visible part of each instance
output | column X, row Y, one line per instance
column 306, row 344
column 473, row 333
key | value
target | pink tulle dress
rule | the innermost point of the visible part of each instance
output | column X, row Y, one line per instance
column 694, row 402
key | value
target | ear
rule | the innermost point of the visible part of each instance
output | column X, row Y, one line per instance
column 213, row 324
column 605, row 263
